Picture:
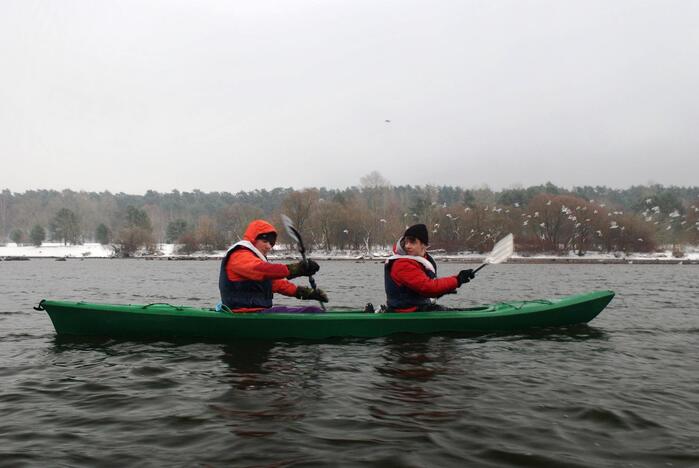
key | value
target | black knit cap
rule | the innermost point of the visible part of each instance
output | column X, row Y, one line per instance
column 418, row 231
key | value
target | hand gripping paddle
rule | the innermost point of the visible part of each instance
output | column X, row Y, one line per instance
column 296, row 236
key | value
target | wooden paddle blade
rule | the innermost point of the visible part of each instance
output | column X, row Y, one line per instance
column 290, row 229
column 502, row 251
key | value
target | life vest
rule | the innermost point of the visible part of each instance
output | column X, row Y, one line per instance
column 245, row 294
column 402, row 297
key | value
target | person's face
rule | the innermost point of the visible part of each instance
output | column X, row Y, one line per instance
column 263, row 245
column 413, row 246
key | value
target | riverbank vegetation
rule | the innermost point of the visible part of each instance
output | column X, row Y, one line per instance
column 543, row 218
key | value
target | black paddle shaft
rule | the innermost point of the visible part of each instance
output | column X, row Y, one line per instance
column 302, row 250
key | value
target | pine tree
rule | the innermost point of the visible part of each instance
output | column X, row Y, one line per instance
column 102, row 234
column 37, row 235
column 65, row 227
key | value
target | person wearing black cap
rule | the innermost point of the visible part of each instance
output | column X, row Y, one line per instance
column 410, row 275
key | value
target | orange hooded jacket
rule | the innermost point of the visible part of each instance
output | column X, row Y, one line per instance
column 244, row 265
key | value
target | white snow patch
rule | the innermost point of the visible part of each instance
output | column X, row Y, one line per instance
column 95, row 250
column 56, row 249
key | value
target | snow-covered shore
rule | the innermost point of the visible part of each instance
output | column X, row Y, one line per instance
column 56, row 250
column 167, row 251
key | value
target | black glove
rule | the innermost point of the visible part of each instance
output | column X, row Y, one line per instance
column 302, row 268
column 465, row 276
column 303, row 292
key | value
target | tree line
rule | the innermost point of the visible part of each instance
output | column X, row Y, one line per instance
column 543, row 218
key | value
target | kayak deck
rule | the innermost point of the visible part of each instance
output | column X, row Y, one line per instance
column 169, row 321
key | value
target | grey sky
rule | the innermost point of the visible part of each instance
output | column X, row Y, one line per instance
column 227, row 96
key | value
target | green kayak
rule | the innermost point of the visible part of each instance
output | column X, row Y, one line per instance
column 169, row 321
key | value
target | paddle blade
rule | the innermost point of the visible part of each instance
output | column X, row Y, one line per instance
column 290, row 229
column 502, row 251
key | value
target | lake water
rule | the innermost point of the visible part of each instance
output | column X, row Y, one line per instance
column 623, row 391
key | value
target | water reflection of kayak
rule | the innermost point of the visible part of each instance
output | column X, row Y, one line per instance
column 165, row 320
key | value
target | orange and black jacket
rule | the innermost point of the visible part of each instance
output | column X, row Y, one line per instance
column 410, row 284
column 247, row 282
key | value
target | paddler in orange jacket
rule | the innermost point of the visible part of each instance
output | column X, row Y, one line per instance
column 410, row 275
column 247, row 281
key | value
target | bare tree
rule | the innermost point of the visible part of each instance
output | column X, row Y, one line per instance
column 208, row 235
column 299, row 207
column 234, row 219
column 374, row 179
column 329, row 223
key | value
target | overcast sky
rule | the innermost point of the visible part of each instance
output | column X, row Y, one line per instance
column 128, row 96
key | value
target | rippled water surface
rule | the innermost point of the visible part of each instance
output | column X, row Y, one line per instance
column 622, row 391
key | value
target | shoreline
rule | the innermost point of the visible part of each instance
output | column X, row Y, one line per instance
column 167, row 252
column 366, row 259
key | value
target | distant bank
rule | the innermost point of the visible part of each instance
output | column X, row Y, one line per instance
column 13, row 252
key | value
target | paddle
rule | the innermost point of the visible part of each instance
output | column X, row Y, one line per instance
column 296, row 236
column 502, row 251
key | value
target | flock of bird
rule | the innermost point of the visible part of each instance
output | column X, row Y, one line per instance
column 652, row 214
